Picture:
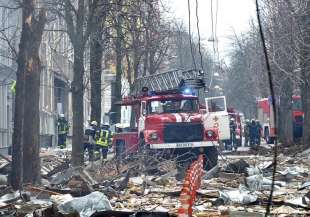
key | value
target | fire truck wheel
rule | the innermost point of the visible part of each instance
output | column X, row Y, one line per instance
column 211, row 154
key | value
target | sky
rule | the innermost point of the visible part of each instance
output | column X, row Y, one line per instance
column 232, row 15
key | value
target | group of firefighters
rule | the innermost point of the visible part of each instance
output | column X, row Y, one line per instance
column 252, row 132
column 96, row 138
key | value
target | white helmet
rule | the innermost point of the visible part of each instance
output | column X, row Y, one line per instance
column 93, row 123
column 62, row 115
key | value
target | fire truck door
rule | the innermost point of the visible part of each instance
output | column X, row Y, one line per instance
column 217, row 116
column 141, row 126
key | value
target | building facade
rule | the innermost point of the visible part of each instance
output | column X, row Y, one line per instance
column 56, row 56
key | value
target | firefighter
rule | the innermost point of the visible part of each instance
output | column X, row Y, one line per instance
column 258, row 132
column 63, row 129
column 247, row 132
column 233, row 127
column 104, row 140
column 253, row 132
column 90, row 139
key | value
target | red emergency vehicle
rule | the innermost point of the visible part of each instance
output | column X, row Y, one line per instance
column 169, row 121
column 266, row 118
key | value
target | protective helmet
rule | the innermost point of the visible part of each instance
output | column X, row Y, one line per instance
column 94, row 123
column 247, row 121
column 62, row 115
column 232, row 119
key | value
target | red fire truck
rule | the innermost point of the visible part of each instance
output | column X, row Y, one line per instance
column 266, row 118
column 168, row 118
column 236, row 115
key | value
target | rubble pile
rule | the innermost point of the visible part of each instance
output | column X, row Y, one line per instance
column 243, row 186
column 240, row 186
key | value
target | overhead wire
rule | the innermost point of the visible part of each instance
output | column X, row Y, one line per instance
column 190, row 34
column 270, row 81
column 213, row 45
column 199, row 40
column 215, row 30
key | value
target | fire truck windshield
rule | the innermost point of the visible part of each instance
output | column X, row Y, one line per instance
column 216, row 105
column 173, row 106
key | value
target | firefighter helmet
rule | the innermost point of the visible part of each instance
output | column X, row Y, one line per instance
column 93, row 123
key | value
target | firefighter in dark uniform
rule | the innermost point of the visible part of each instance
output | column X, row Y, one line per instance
column 247, row 132
column 90, row 139
column 253, row 132
column 233, row 127
column 104, row 140
column 258, row 132
column 63, row 129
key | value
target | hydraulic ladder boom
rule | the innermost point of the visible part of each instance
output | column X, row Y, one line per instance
column 169, row 80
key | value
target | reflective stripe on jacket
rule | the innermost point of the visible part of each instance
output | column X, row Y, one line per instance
column 103, row 139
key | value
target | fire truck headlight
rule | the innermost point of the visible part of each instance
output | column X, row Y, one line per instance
column 210, row 133
column 154, row 136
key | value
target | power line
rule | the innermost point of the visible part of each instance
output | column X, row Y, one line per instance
column 273, row 108
column 215, row 30
column 189, row 33
column 199, row 46
column 213, row 45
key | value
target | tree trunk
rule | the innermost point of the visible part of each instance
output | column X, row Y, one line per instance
column 17, row 153
column 117, row 92
column 146, row 54
column 152, row 62
column 95, row 79
column 26, row 147
column 285, row 113
column 78, row 107
column 31, row 133
column 304, row 23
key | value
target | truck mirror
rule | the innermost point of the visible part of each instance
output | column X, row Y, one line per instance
column 144, row 112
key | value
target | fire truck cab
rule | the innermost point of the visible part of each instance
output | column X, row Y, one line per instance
column 170, row 122
column 218, row 116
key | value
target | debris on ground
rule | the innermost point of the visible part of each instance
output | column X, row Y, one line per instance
column 238, row 186
column 85, row 206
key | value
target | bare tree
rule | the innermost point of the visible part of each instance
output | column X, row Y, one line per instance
column 78, row 16
column 26, row 147
column 97, row 41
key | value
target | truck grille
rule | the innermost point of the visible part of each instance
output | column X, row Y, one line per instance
column 183, row 132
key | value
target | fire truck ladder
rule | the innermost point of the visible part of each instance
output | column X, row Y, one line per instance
column 170, row 80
